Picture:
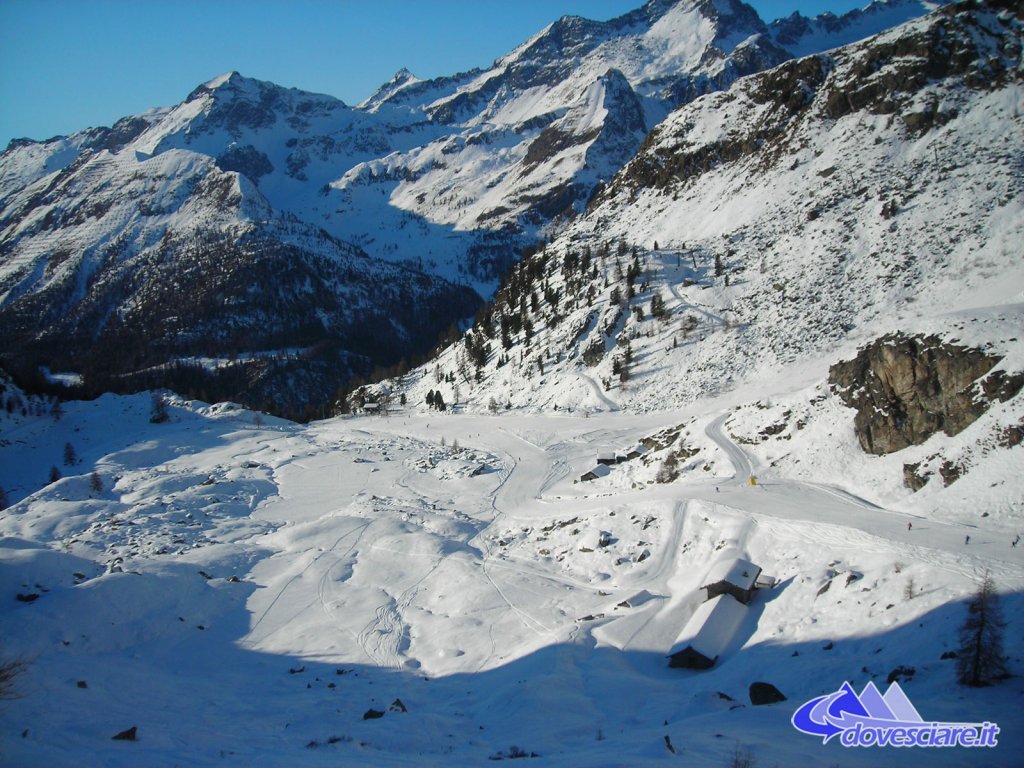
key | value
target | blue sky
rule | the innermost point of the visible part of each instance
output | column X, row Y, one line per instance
column 66, row 65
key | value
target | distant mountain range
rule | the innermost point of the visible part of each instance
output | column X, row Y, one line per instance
column 268, row 245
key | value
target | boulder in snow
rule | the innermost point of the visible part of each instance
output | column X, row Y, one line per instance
column 764, row 693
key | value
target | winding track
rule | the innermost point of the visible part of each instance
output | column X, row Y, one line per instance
column 817, row 503
column 533, row 470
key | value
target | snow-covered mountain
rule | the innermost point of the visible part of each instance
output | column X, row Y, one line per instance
column 151, row 254
column 534, row 134
column 802, row 36
column 321, row 230
column 774, row 229
column 787, row 332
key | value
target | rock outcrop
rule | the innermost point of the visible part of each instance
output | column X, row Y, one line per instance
column 765, row 693
column 907, row 388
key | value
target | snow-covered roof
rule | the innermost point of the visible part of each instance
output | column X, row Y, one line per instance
column 600, row 470
column 737, row 571
column 711, row 627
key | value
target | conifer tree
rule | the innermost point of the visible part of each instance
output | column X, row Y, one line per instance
column 980, row 658
column 158, row 409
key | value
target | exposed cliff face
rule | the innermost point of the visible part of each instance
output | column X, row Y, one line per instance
column 906, row 389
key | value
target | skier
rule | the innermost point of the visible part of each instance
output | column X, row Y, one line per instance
column 909, row 526
column 967, row 539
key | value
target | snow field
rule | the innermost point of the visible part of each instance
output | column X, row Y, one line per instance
column 502, row 603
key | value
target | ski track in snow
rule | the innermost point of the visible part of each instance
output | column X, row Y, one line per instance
column 299, row 576
column 381, row 551
column 834, row 505
column 610, row 404
column 518, row 490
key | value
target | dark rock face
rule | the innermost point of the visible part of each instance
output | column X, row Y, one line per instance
column 625, row 125
column 906, row 389
column 913, row 478
column 397, row 706
column 901, row 673
column 790, row 89
column 948, row 48
column 123, row 131
column 247, row 160
column 764, row 693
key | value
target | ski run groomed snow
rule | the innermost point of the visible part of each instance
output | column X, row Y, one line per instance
column 244, row 590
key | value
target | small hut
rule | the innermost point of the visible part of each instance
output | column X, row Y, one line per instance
column 732, row 576
column 629, row 454
column 601, row 470
column 606, row 457
column 708, row 633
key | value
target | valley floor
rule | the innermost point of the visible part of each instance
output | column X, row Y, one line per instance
column 245, row 591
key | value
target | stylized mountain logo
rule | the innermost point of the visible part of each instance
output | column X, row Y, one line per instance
column 873, row 719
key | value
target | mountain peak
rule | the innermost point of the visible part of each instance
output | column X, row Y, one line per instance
column 401, row 80
column 801, row 35
column 221, row 80
column 229, row 82
column 712, row 9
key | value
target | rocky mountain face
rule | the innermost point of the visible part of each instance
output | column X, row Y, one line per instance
column 905, row 389
column 159, row 265
column 529, row 137
column 773, row 229
column 802, row 36
column 270, row 243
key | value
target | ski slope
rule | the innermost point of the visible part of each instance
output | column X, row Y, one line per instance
column 247, row 589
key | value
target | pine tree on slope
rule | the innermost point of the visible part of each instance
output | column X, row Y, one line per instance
column 980, row 658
